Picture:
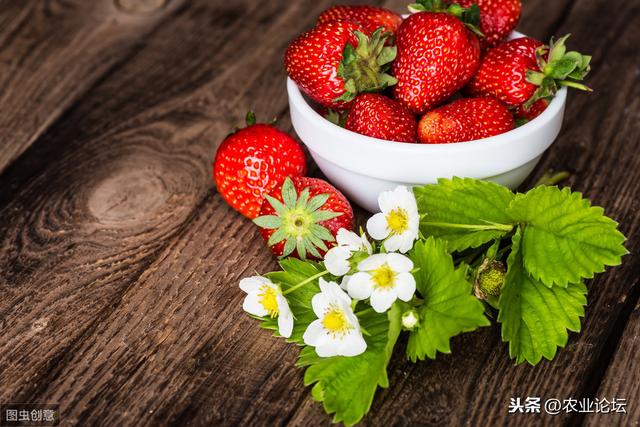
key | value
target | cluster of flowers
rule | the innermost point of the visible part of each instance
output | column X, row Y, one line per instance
column 379, row 273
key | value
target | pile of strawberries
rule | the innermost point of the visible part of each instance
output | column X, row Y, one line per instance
column 375, row 73
column 444, row 74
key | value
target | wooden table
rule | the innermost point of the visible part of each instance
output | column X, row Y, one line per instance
column 119, row 262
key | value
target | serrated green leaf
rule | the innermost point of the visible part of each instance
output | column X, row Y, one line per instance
column 565, row 239
column 448, row 309
column 346, row 385
column 465, row 212
column 295, row 271
column 534, row 317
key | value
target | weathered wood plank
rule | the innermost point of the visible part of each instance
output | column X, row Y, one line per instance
column 51, row 52
column 622, row 379
column 172, row 345
column 120, row 185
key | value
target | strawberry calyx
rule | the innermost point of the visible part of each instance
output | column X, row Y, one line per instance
column 557, row 68
column 297, row 221
column 364, row 68
column 470, row 16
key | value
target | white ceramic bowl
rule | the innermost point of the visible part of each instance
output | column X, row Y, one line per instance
column 362, row 167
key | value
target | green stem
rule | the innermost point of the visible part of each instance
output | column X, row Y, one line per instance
column 305, row 281
column 548, row 179
column 575, row 85
column 365, row 311
column 493, row 226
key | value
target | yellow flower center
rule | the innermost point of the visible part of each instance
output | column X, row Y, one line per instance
column 335, row 321
column 269, row 301
column 384, row 277
column 398, row 221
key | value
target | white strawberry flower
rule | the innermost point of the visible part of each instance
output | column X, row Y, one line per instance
column 398, row 223
column 264, row 298
column 336, row 332
column 383, row 278
column 336, row 260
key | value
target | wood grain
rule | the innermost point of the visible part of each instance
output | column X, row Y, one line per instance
column 120, row 263
column 51, row 52
column 622, row 380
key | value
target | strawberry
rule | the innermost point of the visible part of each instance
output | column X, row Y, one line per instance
column 370, row 18
column 301, row 217
column 465, row 119
column 497, row 18
column 377, row 116
column 536, row 109
column 335, row 61
column 253, row 161
column 523, row 70
column 437, row 55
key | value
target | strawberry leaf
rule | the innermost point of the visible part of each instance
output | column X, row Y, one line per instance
column 465, row 212
column 535, row 318
column 565, row 239
column 448, row 309
column 346, row 385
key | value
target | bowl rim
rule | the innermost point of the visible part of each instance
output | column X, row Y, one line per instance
column 492, row 142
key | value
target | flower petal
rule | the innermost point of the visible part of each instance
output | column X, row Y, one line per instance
column 336, row 260
column 349, row 239
column 285, row 324
column 377, row 226
column 252, row 284
column 387, row 200
column 345, row 281
column 327, row 347
column 352, row 344
column 372, row 262
column 320, row 303
column 251, row 305
column 360, row 286
column 313, row 333
column 406, row 286
column 399, row 263
column 382, row 300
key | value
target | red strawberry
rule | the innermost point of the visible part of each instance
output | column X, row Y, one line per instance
column 497, row 18
column 377, row 116
column 536, row 109
column 301, row 218
column 253, row 161
column 370, row 18
column 335, row 61
column 437, row 55
column 465, row 119
column 522, row 71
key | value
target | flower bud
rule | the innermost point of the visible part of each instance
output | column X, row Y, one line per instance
column 410, row 319
column 489, row 279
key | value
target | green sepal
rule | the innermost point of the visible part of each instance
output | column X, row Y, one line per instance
column 557, row 68
column 297, row 221
column 470, row 16
column 364, row 69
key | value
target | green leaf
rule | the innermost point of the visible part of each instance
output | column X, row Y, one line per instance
column 268, row 221
column 534, row 317
column 465, row 212
column 295, row 271
column 565, row 239
column 289, row 195
column 346, row 385
column 448, row 309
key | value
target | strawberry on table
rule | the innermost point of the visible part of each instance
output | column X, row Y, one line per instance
column 523, row 71
column 497, row 18
column 253, row 161
column 370, row 18
column 335, row 61
column 465, row 119
column 381, row 117
column 437, row 55
column 301, row 217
